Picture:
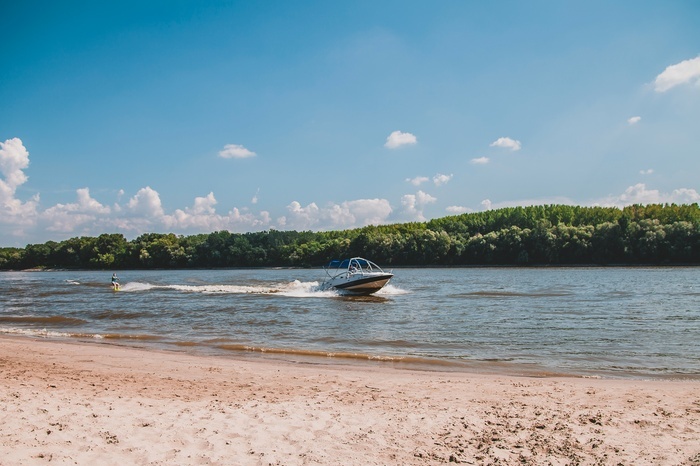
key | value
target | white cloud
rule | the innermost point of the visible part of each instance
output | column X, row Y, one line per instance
column 506, row 143
column 640, row 194
column 361, row 212
column 147, row 203
column 480, row 161
column 646, row 172
column 204, row 205
column 634, row 120
column 254, row 200
column 302, row 217
column 457, row 209
column 86, row 212
column 14, row 158
column 441, row 179
column 235, row 151
column 202, row 216
column 398, row 139
column 486, row 204
column 687, row 71
column 349, row 214
column 417, row 181
column 413, row 205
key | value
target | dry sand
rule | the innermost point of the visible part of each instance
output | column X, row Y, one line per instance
column 70, row 403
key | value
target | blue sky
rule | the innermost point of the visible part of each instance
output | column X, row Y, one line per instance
column 192, row 117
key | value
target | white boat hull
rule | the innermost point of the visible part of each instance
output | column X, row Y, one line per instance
column 361, row 284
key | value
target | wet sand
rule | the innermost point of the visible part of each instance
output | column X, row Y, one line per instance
column 83, row 403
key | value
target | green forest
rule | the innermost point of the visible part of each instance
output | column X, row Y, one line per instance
column 658, row 234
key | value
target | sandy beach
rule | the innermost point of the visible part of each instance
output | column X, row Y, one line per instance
column 82, row 403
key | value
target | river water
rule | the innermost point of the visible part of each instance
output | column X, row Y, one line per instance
column 608, row 322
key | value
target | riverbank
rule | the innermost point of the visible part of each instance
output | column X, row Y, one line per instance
column 81, row 403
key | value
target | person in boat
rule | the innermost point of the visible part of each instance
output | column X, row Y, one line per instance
column 115, row 281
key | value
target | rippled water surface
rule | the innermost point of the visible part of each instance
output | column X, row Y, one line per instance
column 585, row 321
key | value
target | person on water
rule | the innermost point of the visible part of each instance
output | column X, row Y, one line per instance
column 115, row 282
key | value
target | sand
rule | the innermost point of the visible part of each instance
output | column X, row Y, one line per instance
column 81, row 403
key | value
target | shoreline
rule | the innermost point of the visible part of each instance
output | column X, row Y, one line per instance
column 621, row 265
column 360, row 361
column 74, row 402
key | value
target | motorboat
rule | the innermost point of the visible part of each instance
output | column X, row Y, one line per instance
column 356, row 276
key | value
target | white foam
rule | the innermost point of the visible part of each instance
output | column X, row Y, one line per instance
column 298, row 289
column 391, row 290
column 44, row 333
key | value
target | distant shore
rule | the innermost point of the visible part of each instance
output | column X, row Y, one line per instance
column 473, row 266
column 67, row 402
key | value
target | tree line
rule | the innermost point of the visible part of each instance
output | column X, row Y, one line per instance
column 537, row 235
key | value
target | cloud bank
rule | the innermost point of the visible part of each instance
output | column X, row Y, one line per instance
column 143, row 212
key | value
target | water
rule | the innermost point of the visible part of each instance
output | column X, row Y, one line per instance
column 611, row 322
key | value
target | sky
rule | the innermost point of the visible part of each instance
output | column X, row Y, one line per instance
column 190, row 117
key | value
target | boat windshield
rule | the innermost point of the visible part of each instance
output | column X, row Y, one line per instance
column 357, row 263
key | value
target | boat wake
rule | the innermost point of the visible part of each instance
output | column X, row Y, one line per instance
column 295, row 288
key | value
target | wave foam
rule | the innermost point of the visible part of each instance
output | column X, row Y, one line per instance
column 391, row 290
column 295, row 288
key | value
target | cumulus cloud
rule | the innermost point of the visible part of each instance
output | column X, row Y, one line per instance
column 646, row 172
column 76, row 215
column 414, row 204
column 507, row 143
column 640, row 194
column 398, row 139
column 235, row 151
column 144, row 212
column 348, row 214
column 634, row 120
column 14, row 158
column 202, row 216
column 418, row 180
column 441, row 179
column 147, row 203
column 687, row 71
column 480, row 161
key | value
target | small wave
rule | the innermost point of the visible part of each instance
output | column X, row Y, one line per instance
column 31, row 332
column 45, row 320
column 120, row 315
column 72, row 282
column 510, row 294
column 311, row 353
column 127, row 336
column 391, row 290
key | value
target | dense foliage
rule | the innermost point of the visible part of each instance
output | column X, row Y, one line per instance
column 538, row 235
